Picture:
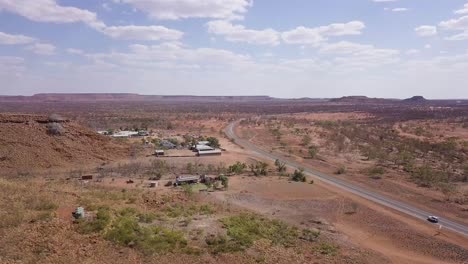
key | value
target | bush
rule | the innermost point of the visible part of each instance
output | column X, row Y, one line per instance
column 221, row 244
column 245, row 229
column 146, row 218
column 160, row 240
column 213, row 142
column 426, row 176
column 313, row 151
column 237, row 168
column 124, row 231
column 280, row 166
column 188, row 190
column 259, row 168
column 376, row 171
column 224, row 181
column 103, row 219
column 327, row 249
column 341, row 170
column 310, row 235
column 298, row 176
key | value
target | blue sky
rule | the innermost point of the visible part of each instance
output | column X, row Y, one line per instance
column 294, row 48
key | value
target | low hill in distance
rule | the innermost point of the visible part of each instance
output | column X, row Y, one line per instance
column 128, row 97
column 362, row 100
column 416, row 99
column 32, row 142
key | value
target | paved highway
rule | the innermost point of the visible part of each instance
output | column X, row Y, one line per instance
column 373, row 196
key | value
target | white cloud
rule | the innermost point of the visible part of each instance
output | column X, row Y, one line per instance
column 11, row 65
column 8, row 39
column 413, row 51
column 106, row 7
column 400, row 9
column 180, row 9
column 315, row 36
column 141, row 32
column 427, row 46
column 463, row 11
column 238, row 33
column 172, row 55
column 47, row 11
column 426, row 31
column 75, row 51
column 42, row 48
column 50, row 11
column 355, row 54
column 456, row 24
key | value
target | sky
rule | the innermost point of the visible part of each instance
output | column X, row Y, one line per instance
column 281, row 48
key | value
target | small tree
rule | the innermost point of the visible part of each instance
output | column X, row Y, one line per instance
column 259, row 168
column 224, row 181
column 306, row 140
column 237, row 168
column 341, row 170
column 298, row 175
column 280, row 166
column 313, row 151
column 213, row 142
column 448, row 189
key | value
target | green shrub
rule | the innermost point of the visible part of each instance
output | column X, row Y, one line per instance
column 124, row 231
column 310, row 235
column 128, row 211
column 313, row 151
column 237, row 168
column 188, row 189
column 206, row 209
column 221, row 244
column 327, row 249
column 298, row 176
column 224, row 181
column 376, row 171
column 160, row 240
column 244, row 229
column 103, row 219
column 147, row 217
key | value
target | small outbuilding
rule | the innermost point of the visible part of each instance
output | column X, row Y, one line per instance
column 214, row 152
column 202, row 148
column 86, row 177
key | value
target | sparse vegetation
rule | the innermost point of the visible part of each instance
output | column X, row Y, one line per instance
column 259, row 169
column 313, row 151
column 280, row 166
column 244, row 229
column 327, row 249
column 298, row 176
column 341, row 170
column 237, row 168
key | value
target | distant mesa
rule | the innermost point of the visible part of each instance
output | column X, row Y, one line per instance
column 361, row 99
column 416, row 99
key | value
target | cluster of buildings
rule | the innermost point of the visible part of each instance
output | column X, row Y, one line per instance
column 125, row 133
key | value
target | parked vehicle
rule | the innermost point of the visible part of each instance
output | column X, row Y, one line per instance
column 187, row 179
